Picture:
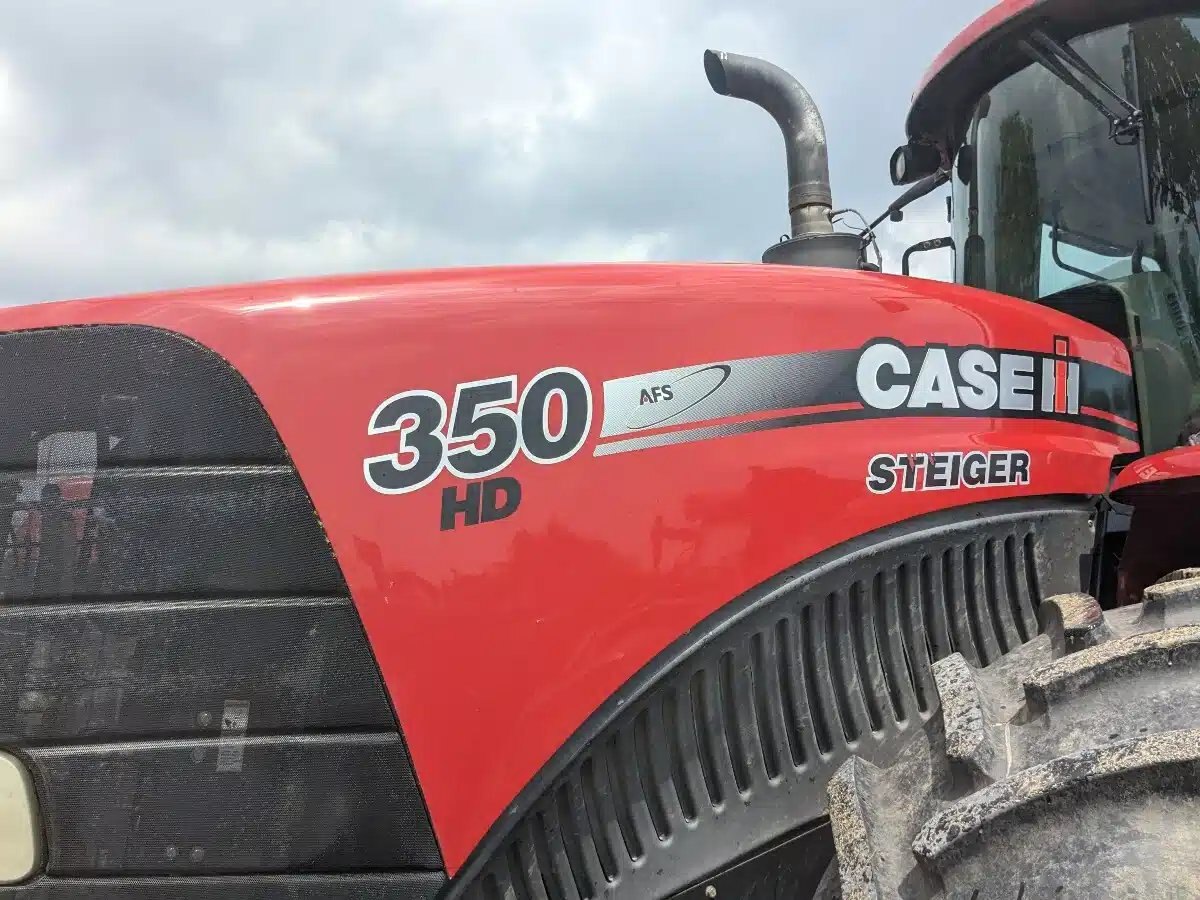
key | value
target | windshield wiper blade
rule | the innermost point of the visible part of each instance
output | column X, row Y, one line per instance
column 1125, row 120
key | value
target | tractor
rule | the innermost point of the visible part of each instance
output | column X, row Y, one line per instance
column 792, row 580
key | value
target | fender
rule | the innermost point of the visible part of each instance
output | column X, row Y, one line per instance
column 525, row 522
column 1174, row 471
column 1163, row 533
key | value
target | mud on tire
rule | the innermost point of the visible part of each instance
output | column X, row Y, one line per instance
column 1068, row 769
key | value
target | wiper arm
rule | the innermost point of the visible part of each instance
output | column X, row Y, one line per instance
column 1125, row 120
column 1132, row 89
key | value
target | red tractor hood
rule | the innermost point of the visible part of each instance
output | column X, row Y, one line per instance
column 732, row 422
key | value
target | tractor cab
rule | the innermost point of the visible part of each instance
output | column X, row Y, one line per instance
column 1070, row 133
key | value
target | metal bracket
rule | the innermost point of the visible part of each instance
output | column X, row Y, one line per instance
column 924, row 247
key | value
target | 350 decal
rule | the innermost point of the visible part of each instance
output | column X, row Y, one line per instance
column 431, row 436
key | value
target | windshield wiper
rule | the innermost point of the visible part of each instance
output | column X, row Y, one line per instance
column 1125, row 120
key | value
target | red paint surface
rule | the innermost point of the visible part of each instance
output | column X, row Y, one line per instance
column 1152, row 471
column 981, row 27
column 496, row 642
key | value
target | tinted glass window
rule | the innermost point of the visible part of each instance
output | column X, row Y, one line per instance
column 1046, row 200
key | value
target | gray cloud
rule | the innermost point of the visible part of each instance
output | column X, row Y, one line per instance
column 159, row 144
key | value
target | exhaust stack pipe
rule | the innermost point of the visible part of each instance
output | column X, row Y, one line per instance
column 810, row 198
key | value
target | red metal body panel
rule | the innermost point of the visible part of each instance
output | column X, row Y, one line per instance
column 1151, row 472
column 1162, row 537
column 497, row 641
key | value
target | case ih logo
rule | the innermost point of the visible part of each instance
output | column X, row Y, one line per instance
column 891, row 376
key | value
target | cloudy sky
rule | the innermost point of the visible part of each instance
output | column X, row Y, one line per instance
column 153, row 143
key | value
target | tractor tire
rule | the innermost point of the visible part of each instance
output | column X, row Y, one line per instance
column 1069, row 768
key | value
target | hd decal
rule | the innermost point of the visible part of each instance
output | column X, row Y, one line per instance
column 884, row 379
column 477, row 436
column 947, row 471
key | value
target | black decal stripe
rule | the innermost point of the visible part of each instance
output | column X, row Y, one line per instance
column 1088, row 411
column 1103, row 425
column 746, row 386
column 1107, row 390
column 774, row 384
column 712, row 432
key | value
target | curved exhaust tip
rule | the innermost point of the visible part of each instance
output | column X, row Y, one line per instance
column 789, row 104
column 714, row 68
column 813, row 241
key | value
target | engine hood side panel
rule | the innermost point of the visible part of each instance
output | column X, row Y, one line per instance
column 728, row 438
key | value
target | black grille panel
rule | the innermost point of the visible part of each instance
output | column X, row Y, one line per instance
column 324, row 803
column 119, row 671
column 180, row 663
column 732, row 746
column 209, row 531
column 152, row 398
column 360, row 886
